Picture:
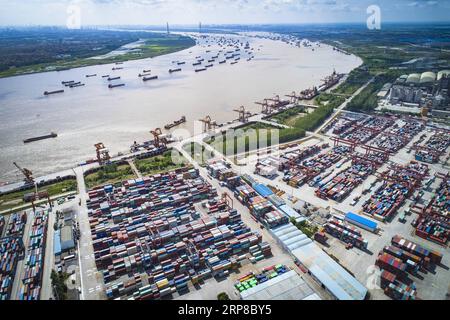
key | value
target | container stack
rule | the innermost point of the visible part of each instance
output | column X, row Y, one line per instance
column 434, row 148
column 398, row 183
column 343, row 183
column 150, row 225
column 346, row 233
column 398, row 136
column 11, row 248
column 428, row 256
column 367, row 130
column 34, row 260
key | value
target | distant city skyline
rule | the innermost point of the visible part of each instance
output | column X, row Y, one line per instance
column 190, row 12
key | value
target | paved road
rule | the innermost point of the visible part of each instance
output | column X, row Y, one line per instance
column 91, row 279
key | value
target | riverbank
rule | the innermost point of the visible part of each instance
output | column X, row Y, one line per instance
column 150, row 48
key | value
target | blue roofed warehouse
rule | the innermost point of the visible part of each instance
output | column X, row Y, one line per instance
column 361, row 222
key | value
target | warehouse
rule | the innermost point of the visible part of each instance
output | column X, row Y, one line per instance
column 361, row 222
column 67, row 239
column 288, row 286
column 322, row 267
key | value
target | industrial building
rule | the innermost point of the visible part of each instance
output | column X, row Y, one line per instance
column 428, row 90
column 288, row 286
column 331, row 275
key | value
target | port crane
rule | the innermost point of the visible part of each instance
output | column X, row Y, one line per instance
column 265, row 106
column 157, row 139
column 30, row 180
column 243, row 114
column 27, row 173
column 208, row 124
column 294, row 98
column 102, row 153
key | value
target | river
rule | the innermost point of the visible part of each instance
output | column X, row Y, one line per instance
column 117, row 117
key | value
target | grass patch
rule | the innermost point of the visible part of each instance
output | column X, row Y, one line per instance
column 288, row 117
column 161, row 163
column 306, row 227
column 15, row 199
column 109, row 174
column 367, row 99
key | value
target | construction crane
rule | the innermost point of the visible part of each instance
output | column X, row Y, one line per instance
column 102, row 153
column 208, row 124
column 243, row 114
column 27, row 173
column 158, row 141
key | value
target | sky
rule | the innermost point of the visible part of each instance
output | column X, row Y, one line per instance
column 190, row 12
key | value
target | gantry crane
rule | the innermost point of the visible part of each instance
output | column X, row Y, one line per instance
column 208, row 124
column 158, row 141
column 265, row 106
column 227, row 200
column 102, row 153
column 294, row 98
column 243, row 114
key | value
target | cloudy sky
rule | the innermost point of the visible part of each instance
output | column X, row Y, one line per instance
column 156, row 12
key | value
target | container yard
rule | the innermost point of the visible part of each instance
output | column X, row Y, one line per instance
column 150, row 226
column 398, row 183
column 432, row 150
column 30, row 287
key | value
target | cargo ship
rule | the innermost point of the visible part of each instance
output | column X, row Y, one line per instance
column 197, row 64
column 72, row 84
column 105, row 76
column 233, row 62
column 146, row 71
column 46, row 93
column 67, row 82
column 200, row 70
column 118, row 68
column 116, row 85
column 115, row 78
column 76, row 85
column 209, row 65
column 223, row 61
column 48, row 136
column 149, row 78
column 175, row 123
column 174, row 70
column 91, row 75
column 180, row 63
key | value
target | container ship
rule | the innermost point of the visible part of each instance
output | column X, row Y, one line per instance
column 46, row 93
column 175, row 123
column 48, row 136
